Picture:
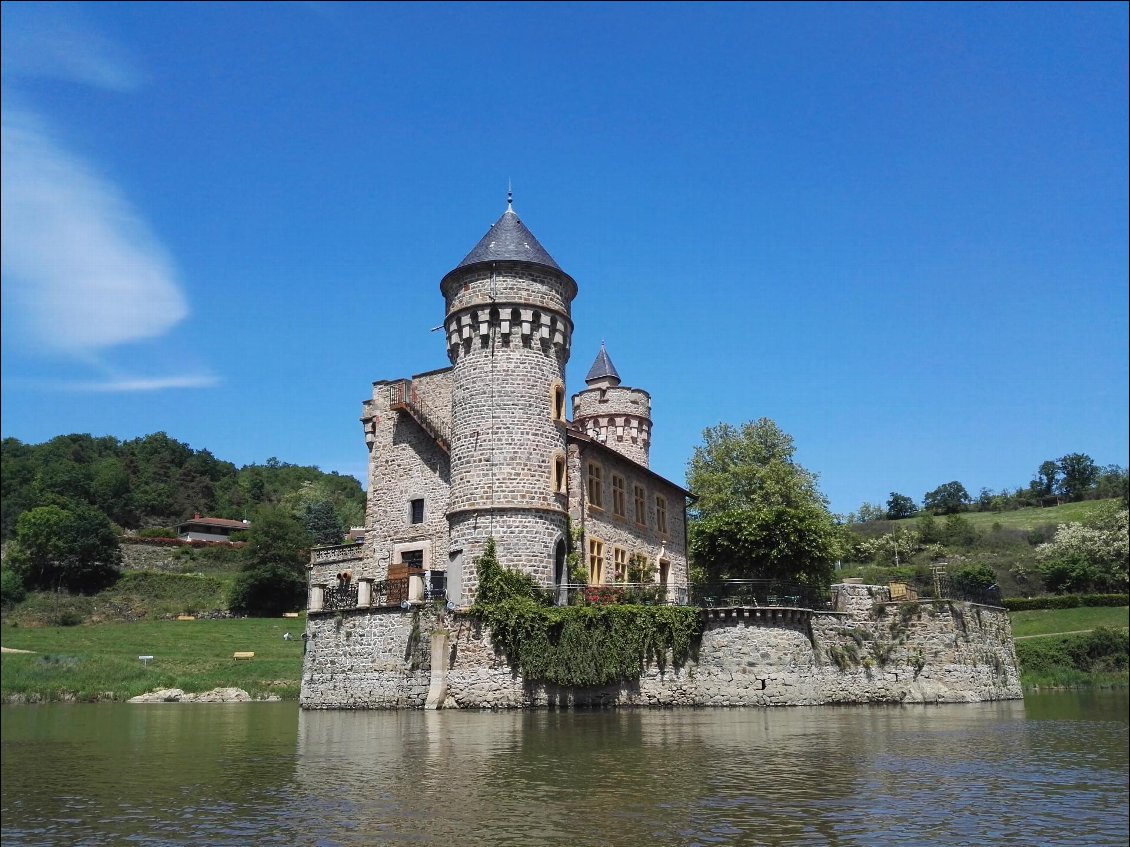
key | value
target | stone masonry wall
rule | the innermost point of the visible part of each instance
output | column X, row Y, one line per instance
column 618, row 417
column 406, row 464
column 938, row 652
column 634, row 533
column 508, row 340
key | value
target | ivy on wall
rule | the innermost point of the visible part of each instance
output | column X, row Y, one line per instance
column 577, row 645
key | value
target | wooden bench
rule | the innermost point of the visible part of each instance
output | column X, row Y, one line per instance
column 186, row 617
column 290, row 614
column 243, row 655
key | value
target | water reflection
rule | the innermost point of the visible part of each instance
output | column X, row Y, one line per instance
column 1052, row 770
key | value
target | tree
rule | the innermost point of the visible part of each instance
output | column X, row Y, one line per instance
column 1080, row 473
column 946, row 499
column 322, row 523
column 734, row 468
column 73, row 547
column 273, row 579
column 759, row 513
column 1087, row 557
column 900, row 506
column 871, row 512
column 1046, row 477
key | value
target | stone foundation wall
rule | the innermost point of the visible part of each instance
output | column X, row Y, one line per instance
column 877, row 652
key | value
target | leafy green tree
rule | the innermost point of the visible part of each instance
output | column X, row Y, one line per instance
column 1080, row 473
column 946, row 499
column 1046, row 478
column 759, row 513
column 974, row 578
column 73, row 547
column 322, row 523
column 900, row 506
column 871, row 512
column 1087, row 557
column 959, row 532
column 273, row 578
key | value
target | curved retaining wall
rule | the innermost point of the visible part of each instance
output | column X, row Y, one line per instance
column 873, row 652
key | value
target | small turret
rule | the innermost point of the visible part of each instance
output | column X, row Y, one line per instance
column 617, row 416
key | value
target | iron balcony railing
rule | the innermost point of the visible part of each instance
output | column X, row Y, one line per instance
column 760, row 592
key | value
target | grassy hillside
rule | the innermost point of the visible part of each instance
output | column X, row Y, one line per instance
column 101, row 662
column 1027, row 519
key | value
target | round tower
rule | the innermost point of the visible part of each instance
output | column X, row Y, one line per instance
column 508, row 333
column 615, row 415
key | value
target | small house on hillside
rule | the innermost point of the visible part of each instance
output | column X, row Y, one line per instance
column 210, row 529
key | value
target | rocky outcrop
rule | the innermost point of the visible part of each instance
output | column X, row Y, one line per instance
column 216, row 695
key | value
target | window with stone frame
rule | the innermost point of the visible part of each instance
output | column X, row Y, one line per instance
column 619, row 509
column 640, row 497
column 596, row 561
column 557, row 400
column 596, row 486
column 559, row 480
column 620, row 563
column 661, row 513
column 416, row 511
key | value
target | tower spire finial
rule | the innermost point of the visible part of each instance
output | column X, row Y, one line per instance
column 509, row 196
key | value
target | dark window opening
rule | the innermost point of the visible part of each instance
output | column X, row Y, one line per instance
column 417, row 515
column 412, row 559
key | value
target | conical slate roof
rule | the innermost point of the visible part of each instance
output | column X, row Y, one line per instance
column 602, row 368
column 509, row 240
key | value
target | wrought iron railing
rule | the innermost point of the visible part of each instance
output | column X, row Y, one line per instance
column 401, row 396
column 632, row 593
column 338, row 597
column 760, row 592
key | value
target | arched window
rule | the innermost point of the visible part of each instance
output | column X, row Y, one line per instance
column 557, row 401
column 559, row 480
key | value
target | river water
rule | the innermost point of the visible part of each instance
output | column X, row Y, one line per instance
column 1051, row 770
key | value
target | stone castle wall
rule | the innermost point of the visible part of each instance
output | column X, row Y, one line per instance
column 635, row 533
column 509, row 332
column 618, row 417
column 406, row 464
column 875, row 652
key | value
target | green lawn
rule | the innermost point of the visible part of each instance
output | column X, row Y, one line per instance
column 101, row 661
column 1050, row 621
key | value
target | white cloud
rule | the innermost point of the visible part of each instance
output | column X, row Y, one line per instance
column 45, row 40
column 141, row 384
column 82, row 265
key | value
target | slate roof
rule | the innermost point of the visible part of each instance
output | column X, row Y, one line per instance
column 602, row 368
column 509, row 240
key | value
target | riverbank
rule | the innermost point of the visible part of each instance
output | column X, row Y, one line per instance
column 99, row 663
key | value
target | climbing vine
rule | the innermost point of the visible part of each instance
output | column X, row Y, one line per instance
column 577, row 645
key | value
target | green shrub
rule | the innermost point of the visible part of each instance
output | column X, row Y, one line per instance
column 1064, row 601
column 12, row 590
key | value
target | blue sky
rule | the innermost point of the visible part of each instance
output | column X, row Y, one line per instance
column 899, row 231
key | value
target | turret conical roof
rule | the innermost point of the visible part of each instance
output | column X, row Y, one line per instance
column 509, row 240
column 602, row 368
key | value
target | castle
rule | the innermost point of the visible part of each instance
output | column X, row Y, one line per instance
column 484, row 449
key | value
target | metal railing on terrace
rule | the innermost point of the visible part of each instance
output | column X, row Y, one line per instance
column 634, row 593
column 760, row 592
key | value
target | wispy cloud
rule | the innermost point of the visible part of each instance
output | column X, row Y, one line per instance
column 47, row 40
column 83, row 265
column 83, row 270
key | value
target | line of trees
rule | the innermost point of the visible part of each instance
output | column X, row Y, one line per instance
column 67, row 501
column 1070, row 478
